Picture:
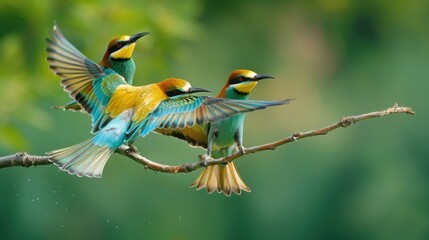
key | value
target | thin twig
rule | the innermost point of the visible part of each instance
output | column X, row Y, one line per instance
column 26, row 160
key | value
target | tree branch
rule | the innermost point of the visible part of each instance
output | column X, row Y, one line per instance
column 26, row 160
column 23, row 159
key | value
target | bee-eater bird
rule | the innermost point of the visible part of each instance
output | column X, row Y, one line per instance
column 121, row 112
column 222, row 138
column 118, row 57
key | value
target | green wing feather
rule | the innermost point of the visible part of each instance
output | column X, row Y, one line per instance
column 186, row 114
column 189, row 110
column 86, row 82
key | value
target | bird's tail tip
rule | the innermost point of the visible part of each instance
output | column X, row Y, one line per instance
column 84, row 159
column 221, row 178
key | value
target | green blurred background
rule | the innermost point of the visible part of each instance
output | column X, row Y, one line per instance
column 338, row 57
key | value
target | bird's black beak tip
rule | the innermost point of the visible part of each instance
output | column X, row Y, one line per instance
column 262, row 76
column 136, row 37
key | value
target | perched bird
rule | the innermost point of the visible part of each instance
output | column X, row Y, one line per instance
column 222, row 138
column 121, row 112
column 118, row 57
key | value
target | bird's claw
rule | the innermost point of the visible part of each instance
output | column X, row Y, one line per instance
column 242, row 150
column 132, row 148
column 204, row 158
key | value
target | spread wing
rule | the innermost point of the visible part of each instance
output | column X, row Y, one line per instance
column 86, row 82
column 189, row 110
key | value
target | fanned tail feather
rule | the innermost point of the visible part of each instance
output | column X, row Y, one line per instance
column 84, row 159
column 221, row 178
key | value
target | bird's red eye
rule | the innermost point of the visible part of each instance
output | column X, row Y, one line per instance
column 118, row 44
column 242, row 78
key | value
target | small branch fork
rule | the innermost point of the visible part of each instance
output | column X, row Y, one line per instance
column 25, row 160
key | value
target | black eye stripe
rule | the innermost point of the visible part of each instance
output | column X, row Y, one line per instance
column 174, row 92
column 118, row 45
column 238, row 79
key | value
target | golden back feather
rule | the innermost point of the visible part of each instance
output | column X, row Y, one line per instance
column 143, row 99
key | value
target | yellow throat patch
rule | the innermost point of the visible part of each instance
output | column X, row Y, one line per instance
column 124, row 53
column 245, row 87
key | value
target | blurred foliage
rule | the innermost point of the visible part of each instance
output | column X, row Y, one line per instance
column 339, row 57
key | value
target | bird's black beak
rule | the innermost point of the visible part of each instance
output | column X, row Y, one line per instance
column 261, row 76
column 136, row 37
column 195, row 89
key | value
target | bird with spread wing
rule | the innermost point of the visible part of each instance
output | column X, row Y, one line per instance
column 118, row 57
